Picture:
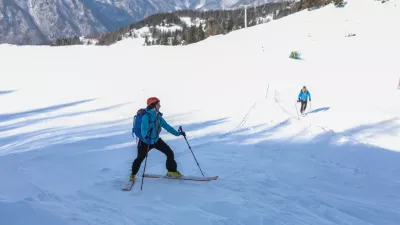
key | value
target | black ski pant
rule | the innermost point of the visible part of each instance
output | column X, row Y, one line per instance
column 160, row 145
column 303, row 106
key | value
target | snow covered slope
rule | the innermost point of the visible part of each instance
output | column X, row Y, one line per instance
column 65, row 126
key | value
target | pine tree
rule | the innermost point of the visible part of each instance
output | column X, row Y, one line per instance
column 175, row 41
column 191, row 35
column 230, row 25
column 200, row 33
column 338, row 3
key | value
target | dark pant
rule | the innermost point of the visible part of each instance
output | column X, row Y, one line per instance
column 160, row 145
column 303, row 106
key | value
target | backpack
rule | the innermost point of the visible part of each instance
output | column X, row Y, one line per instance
column 137, row 123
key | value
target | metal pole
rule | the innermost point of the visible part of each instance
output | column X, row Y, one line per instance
column 245, row 16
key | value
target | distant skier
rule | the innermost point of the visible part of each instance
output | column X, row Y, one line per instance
column 398, row 86
column 151, row 124
column 303, row 97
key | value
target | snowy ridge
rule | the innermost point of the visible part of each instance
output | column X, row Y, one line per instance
column 65, row 132
column 38, row 21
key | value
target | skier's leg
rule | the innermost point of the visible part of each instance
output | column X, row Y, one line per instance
column 141, row 155
column 302, row 107
column 170, row 164
column 305, row 106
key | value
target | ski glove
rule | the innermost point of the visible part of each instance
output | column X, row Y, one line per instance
column 183, row 133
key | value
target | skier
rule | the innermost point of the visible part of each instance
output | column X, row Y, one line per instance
column 303, row 97
column 151, row 125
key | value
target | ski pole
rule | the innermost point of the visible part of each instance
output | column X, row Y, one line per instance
column 295, row 105
column 144, row 169
column 147, row 153
column 180, row 130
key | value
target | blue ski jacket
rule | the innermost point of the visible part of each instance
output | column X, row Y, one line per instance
column 152, row 122
column 304, row 96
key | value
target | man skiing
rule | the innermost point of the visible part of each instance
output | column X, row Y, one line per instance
column 151, row 125
column 303, row 97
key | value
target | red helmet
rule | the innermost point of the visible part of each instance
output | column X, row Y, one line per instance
column 152, row 100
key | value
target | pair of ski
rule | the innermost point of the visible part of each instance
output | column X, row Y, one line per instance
column 128, row 186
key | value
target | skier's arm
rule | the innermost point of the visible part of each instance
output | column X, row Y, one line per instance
column 170, row 129
column 298, row 97
column 145, row 125
column 309, row 95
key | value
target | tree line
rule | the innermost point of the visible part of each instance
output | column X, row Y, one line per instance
column 213, row 22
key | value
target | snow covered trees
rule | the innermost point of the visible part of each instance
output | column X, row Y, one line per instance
column 338, row 3
column 201, row 24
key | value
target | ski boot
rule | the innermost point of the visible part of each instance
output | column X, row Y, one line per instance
column 174, row 174
column 132, row 177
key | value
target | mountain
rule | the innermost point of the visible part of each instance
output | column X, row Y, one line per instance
column 37, row 21
column 188, row 26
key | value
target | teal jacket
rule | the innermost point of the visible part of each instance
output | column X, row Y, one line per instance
column 152, row 122
column 304, row 96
